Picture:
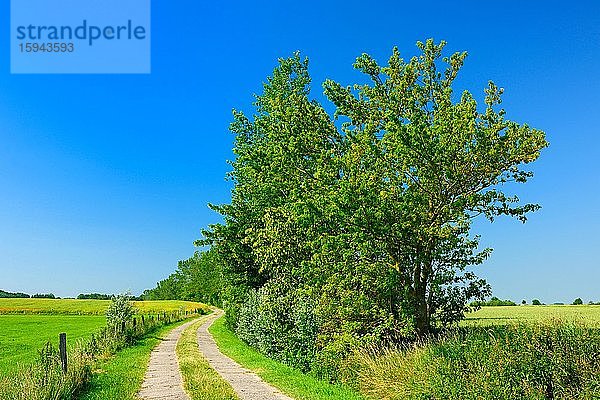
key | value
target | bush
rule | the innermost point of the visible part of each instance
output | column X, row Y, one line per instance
column 536, row 302
column 552, row 361
column 119, row 311
column 282, row 326
column 577, row 302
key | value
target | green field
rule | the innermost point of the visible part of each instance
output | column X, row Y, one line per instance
column 27, row 324
column 22, row 336
column 90, row 307
column 504, row 314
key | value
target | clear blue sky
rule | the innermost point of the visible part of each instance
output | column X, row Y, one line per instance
column 105, row 179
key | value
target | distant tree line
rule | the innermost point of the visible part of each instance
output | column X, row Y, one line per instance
column 44, row 296
column 94, row 296
column 9, row 295
column 493, row 302
column 198, row 278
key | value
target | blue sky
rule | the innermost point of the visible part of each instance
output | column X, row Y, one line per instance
column 105, row 179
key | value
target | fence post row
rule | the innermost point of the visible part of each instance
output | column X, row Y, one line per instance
column 62, row 347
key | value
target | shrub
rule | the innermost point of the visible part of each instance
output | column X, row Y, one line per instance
column 280, row 325
column 119, row 311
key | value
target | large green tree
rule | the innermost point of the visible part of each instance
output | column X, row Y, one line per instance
column 368, row 213
column 420, row 165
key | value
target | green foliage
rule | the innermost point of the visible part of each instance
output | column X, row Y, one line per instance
column 43, row 296
column 549, row 361
column 280, row 325
column 119, row 311
column 198, row 278
column 289, row 380
column 577, row 302
column 364, row 217
column 536, row 302
column 94, row 296
column 494, row 302
column 9, row 295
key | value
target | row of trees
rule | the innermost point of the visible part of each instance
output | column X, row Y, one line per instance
column 198, row 278
column 357, row 227
column 10, row 295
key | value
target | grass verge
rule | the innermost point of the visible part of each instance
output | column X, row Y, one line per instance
column 291, row 381
column 555, row 360
column 200, row 381
column 121, row 376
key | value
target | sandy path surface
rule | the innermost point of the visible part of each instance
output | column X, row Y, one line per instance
column 247, row 385
column 163, row 379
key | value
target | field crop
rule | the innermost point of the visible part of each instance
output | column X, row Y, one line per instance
column 89, row 307
column 505, row 314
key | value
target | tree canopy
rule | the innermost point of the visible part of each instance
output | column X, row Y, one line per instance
column 366, row 214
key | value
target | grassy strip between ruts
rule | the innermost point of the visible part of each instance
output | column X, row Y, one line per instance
column 200, row 380
column 121, row 376
column 291, row 381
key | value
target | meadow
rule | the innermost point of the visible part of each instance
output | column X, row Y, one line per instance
column 22, row 336
column 27, row 324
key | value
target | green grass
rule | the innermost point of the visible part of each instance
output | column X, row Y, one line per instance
column 121, row 376
column 22, row 336
column 292, row 382
column 526, row 361
column 92, row 307
column 200, row 380
column 500, row 315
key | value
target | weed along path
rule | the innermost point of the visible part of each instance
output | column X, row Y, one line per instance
column 163, row 380
column 246, row 384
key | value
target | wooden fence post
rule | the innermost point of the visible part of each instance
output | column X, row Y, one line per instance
column 62, row 347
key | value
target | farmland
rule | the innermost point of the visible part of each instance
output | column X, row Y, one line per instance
column 27, row 324
column 22, row 336
column 505, row 314
column 89, row 307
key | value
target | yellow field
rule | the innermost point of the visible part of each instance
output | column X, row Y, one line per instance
column 529, row 313
column 89, row 307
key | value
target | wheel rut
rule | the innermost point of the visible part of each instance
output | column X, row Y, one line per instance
column 163, row 379
column 246, row 384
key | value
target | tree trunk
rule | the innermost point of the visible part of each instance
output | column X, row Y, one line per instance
column 422, row 320
column 422, row 325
